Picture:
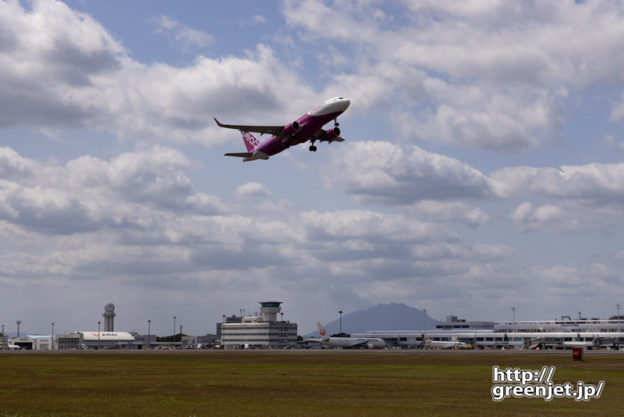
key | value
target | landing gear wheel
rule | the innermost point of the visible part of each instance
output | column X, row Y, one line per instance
column 312, row 148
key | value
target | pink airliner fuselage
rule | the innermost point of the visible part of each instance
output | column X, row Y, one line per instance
column 307, row 127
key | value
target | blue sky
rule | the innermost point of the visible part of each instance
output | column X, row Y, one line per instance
column 482, row 168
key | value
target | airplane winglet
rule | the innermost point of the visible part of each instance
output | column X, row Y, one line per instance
column 218, row 122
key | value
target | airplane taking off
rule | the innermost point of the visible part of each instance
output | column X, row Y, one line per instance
column 349, row 342
column 307, row 127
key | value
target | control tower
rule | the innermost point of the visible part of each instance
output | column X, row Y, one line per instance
column 261, row 331
column 270, row 310
column 109, row 317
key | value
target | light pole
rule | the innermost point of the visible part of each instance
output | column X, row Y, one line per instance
column 52, row 344
column 174, row 319
column 99, row 322
column 340, row 312
column 424, row 325
column 149, row 338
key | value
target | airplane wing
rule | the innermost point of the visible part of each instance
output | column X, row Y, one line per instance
column 273, row 130
column 338, row 139
column 240, row 154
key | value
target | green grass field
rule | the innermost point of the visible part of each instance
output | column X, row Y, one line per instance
column 292, row 383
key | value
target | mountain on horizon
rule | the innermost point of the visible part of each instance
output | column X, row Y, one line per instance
column 392, row 316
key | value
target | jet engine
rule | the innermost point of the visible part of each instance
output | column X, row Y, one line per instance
column 332, row 134
column 292, row 129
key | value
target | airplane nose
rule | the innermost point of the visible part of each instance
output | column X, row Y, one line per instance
column 336, row 104
column 344, row 103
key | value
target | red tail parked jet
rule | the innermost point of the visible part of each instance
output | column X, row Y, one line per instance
column 307, row 127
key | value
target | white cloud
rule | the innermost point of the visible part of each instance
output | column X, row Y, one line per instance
column 324, row 21
column 135, row 220
column 482, row 116
column 355, row 224
column 437, row 187
column 526, row 43
column 89, row 194
column 401, row 175
column 47, row 54
column 62, row 69
column 251, row 190
column 544, row 218
column 182, row 33
column 596, row 182
column 444, row 211
column 485, row 75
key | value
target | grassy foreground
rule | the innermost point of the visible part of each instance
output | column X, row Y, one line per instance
column 337, row 383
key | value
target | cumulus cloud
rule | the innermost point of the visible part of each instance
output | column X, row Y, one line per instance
column 136, row 220
column 454, row 211
column 354, row 224
column 315, row 15
column 85, row 194
column 438, row 188
column 481, row 116
column 62, row 69
column 251, row 191
column 490, row 75
column 137, row 217
column 596, row 182
column 46, row 55
column 401, row 175
column 543, row 218
column 182, row 33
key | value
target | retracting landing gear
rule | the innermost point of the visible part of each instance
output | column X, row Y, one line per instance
column 321, row 138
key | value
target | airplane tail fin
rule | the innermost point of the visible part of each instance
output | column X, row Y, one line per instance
column 322, row 331
column 250, row 141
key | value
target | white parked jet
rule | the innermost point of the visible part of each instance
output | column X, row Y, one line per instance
column 443, row 344
column 350, row 342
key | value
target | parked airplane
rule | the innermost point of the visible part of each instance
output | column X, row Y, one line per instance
column 307, row 127
column 349, row 342
column 443, row 344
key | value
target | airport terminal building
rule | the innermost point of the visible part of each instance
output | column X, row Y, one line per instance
column 264, row 331
column 545, row 334
column 74, row 341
